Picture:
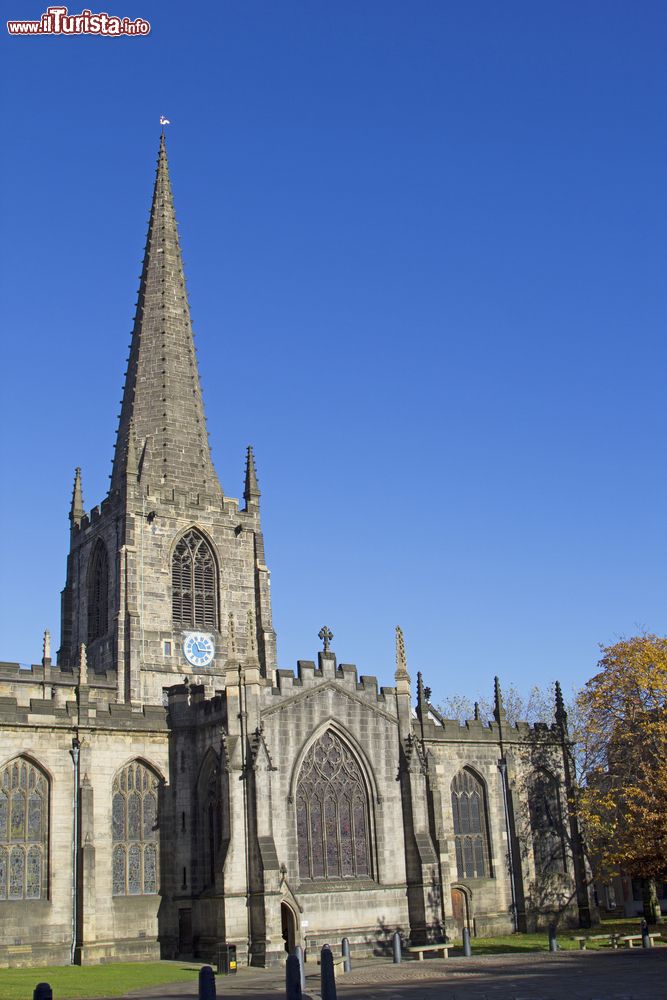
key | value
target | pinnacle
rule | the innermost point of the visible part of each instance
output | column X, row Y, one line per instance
column 251, row 490
column 77, row 509
column 401, row 658
column 499, row 708
column 162, row 407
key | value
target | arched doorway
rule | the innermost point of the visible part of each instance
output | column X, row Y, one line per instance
column 460, row 910
column 289, row 927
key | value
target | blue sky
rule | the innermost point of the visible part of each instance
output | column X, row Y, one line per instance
column 425, row 249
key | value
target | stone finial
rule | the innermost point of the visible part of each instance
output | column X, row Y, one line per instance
column 326, row 635
column 76, row 510
column 83, row 664
column 251, row 490
column 561, row 712
column 499, row 713
column 476, row 712
column 46, row 649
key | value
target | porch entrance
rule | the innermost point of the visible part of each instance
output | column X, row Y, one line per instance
column 288, row 923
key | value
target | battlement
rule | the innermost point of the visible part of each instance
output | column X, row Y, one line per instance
column 437, row 729
column 310, row 676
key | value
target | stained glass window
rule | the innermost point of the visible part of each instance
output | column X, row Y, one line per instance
column 98, row 593
column 547, row 824
column 134, row 831
column 24, row 832
column 471, row 835
column 332, row 813
column 193, row 582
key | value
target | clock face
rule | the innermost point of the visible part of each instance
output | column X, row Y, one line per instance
column 198, row 648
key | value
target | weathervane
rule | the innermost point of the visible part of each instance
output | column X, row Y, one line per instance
column 326, row 635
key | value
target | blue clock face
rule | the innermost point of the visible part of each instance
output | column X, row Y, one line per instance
column 198, row 648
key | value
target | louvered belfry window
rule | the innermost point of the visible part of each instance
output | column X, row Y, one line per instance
column 98, row 593
column 332, row 813
column 193, row 589
column 471, row 838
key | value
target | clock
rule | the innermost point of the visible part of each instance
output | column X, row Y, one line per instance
column 198, row 648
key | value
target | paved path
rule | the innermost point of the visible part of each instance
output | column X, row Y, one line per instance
column 573, row 975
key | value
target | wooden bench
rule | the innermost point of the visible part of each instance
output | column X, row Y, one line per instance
column 637, row 938
column 419, row 950
column 612, row 938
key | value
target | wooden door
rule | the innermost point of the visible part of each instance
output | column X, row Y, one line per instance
column 460, row 910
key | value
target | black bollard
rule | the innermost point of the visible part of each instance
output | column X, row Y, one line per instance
column 42, row 992
column 553, row 943
column 292, row 978
column 206, row 983
column 345, row 952
column 327, row 974
column 298, row 951
column 467, row 950
column 646, row 940
column 397, row 948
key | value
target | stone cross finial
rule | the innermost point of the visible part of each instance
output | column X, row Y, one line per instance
column 326, row 635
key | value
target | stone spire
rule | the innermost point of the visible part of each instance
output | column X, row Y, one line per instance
column 162, row 401
column 251, row 491
column 76, row 510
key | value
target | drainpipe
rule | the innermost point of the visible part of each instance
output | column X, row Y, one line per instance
column 74, row 753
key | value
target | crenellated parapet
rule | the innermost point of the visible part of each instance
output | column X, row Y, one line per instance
column 310, row 676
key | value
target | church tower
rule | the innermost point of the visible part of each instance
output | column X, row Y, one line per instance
column 167, row 576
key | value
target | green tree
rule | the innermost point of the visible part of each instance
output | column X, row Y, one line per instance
column 621, row 732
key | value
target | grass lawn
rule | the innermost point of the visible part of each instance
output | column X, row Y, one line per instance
column 93, row 980
column 510, row 943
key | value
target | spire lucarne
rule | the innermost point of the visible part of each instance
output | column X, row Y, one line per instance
column 162, row 408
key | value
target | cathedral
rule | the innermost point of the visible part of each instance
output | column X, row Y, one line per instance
column 166, row 788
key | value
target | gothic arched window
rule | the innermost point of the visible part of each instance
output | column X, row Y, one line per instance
column 134, row 831
column 24, row 831
column 546, row 821
column 332, row 818
column 193, row 589
column 471, row 833
column 98, row 593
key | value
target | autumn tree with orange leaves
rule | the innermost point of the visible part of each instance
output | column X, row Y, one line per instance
column 622, row 742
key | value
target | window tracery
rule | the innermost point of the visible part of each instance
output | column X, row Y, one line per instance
column 546, row 821
column 471, row 837
column 24, row 831
column 332, row 815
column 134, row 831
